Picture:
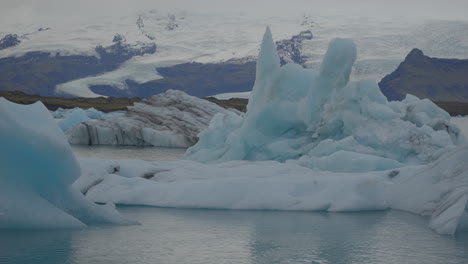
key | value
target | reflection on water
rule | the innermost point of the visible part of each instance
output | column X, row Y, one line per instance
column 224, row 236
column 128, row 152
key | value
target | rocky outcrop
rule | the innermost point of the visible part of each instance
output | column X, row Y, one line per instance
column 141, row 26
column 171, row 119
column 9, row 40
column 121, row 51
column 289, row 50
column 440, row 80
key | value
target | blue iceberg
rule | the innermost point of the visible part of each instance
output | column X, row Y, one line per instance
column 324, row 121
column 37, row 169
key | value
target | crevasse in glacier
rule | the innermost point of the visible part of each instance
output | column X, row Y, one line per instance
column 319, row 120
column 37, row 169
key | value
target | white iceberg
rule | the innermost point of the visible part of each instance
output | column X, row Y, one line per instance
column 37, row 169
column 438, row 190
column 170, row 119
column 308, row 142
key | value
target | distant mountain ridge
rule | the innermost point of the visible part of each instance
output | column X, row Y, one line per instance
column 39, row 73
column 441, row 80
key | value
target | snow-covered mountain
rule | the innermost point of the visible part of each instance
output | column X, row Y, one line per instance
column 183, row 37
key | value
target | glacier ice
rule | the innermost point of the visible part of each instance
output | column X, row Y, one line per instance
column 72, row 117
column 37, row 169
column 92, row 113
column 170, row 119
column 438, row 190
column 320, row 120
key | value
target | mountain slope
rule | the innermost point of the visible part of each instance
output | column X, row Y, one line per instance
column 442, row 80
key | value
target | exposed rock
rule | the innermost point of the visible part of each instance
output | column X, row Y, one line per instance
column 440, row 80
column 121, row 51
column 9, row 40
column 289, row 50
column 141, row 25
column 105, row 104
column 118, row 38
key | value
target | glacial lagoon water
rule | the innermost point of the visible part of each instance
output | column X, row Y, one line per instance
column 224, row 236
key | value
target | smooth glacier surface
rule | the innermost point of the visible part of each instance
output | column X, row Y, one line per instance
column 308, row 142
column 37, row 169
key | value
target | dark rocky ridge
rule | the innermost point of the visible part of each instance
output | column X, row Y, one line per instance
column 121, row 51
column 289, row 50
column 440, row 80
column 108, row 104
column 9, row 40
column 104, row 104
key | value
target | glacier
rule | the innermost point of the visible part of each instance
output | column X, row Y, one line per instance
column 319, row 120
column 170, row 119
column 37, row 169
column 309, row 141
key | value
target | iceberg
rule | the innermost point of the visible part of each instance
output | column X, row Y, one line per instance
column 37, row 169
column 319, row 120
column 170, row 119
column 72, row 117
column 309, row 141
column 438, row 190
column 91, row 113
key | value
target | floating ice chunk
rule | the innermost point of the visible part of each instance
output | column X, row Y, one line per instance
column 292, row 111
column 92, row 113
column 438, row 190
column 73, row 118
column 37, row 168
column 170, row 119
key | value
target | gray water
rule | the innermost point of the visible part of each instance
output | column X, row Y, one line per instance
column 224, row 236
column 128, row 152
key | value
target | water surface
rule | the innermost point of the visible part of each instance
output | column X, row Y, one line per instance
column 128, row 152
column 224, row 236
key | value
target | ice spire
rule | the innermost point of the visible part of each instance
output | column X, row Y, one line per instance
column 267, row 63
column 268, row 59
column 337, row 63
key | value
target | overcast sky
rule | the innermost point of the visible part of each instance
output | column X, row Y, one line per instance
column 31, row 10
